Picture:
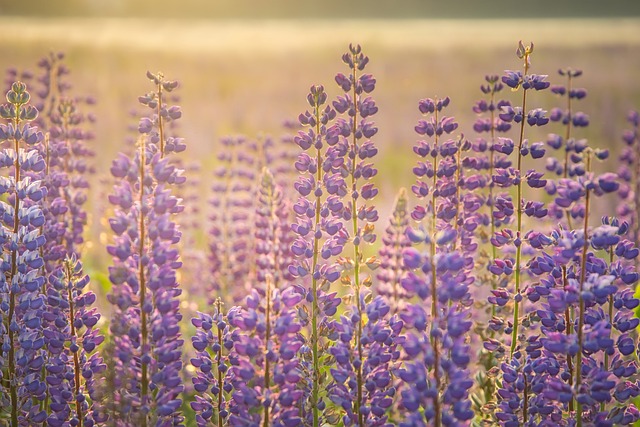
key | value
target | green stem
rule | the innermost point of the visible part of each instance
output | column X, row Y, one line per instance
column 315, row 390
column 356, row 248
column 399, row 213
column 160, row 121
column 219, row 361
column 636, row 199
column 583, row 275
column 494, row 250
column 76, row 359
column 516, row 314
column 457, row 217
column 44, row 405
column 267, row 373
column 144, row 380
column 566, row 141
column 13, row 387
column 434, row 291
column 569, row 331
column 610, row 302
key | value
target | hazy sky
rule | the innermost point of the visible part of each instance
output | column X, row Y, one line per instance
column 308, row 9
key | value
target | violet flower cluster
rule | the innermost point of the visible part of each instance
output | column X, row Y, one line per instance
column 53, row 372
column 230, row 243
column 320, row 238
column 145, row 325
column 570, row 164
column 515, row 239
column 578, row 367
column 212, row 381
column 629, row 174
column 265, row 362
column 392, row 267
column 494, row 296
column 21, row 282
column 481, row 162
column 74, row 368
column 365, row 347
column 435, row 351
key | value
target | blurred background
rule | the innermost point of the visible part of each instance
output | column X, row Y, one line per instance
column 245, row 66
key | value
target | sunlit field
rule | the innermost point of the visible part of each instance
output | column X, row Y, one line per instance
column 535, row 317
column 249, row 77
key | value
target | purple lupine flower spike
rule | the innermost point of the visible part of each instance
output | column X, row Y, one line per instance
column 234, row 196
column 365, row 342
column 629, row 175
column 489, row 152
column 392, row 268
column 265, row 368
column 320, row 236
column 509, row 176
column 570, row 164
column 212, row 342
column 435, row 349
column 74, row 368
column 21, row 300
column 145, row 295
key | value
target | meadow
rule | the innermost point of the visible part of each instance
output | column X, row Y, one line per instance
column 225, row 92
column 282, row 278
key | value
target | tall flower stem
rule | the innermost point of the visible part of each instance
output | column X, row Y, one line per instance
column 434, row 290
column 44, row 405
column 77, row 368
column 160, row 121
column 569, row 330
column 567, row 135
column 581, row 305
column 610, row 312
column 494, row 249
column 315, row 392
column 457, row 218
column 219, row 361
column 144, row 380
column 400, row 209
column 516, row 308
column 356, row 247
column 13, row 388
column 267, row 367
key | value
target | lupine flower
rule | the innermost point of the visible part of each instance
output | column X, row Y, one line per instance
column 371, row 365
column 561, row 371
column 570, row 164
column 364, row 350
column 436, row 352
column 392, row 267
column 74, row 368
column 230, row 246
column 320, row 235
column 53, row 84
column 66, row 155
column 146, row 320
column 21, row 283
column 212, row 363
column 507, row 177
column 499, row 207
column 629, row 176
column 392, row 349
column 265, row 368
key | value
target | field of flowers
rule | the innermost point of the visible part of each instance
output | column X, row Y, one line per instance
column 496, row 289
